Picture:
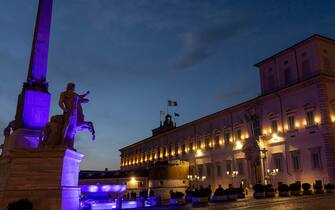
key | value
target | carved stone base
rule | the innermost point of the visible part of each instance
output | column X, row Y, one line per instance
column 48, row 178
column 22, row 139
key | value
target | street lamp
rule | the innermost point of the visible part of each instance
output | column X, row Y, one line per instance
column 233, row 174
column 272, row 173
column 195, row 178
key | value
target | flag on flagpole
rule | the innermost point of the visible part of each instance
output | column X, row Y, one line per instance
column 162, row 113
column 172, row 103
column 176, row 115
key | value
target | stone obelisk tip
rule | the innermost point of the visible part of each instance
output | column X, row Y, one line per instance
column 39, row 52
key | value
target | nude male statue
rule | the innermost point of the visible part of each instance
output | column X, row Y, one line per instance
column 70, row 103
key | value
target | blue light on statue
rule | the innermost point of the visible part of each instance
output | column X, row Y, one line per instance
column 36, row 109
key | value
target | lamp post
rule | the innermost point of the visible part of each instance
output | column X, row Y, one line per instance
column 272, row 173
column 233, row 174
column 195, row 178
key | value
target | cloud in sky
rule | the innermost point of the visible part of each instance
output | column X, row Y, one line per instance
column 122, row 51
column 200, row 45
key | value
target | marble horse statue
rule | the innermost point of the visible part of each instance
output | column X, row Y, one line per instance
column 61, row 129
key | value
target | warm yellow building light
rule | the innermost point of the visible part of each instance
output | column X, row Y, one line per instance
column 317, row 120
column 246, row 135
column 269, row 130
column 132, row 180
column 304, row 122
column 286, row 127
column 172, row 153
column 220, row 142
column 231, row 140
column 265, row 132
column 332, row 118
column 297, row 124
column 199, row 153
column 202, row 146
column 238, row 145
column 280, row 129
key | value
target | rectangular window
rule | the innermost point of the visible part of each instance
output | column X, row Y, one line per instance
column 256, row 126
column 326, row 64
column 208, row 169
column 306, row 69
column 296, row 160
column 198, row 144
column 227, row 138
column 191, row 147
column 206, row 142
column 316, row 158
column 274, row 126
column 310, row 118
column 238, row 134
column 271, row 82
column 183, row 148
column 277, row 163
column 240, row 165
column 200, row 173
column 228, row 165
column 217, row 140
column 291, row 123
column 218, row 169
column 287, row 76
column 191, row 170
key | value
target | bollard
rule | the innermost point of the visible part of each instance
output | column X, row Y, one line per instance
column 118, row 203
column 139, row 202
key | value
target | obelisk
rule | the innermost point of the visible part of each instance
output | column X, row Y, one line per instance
column 46, row 177
column 33, row 105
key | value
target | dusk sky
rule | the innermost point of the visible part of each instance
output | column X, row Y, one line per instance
column 134, row 55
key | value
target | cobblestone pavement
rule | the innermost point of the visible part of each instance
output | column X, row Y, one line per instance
column 311, row 202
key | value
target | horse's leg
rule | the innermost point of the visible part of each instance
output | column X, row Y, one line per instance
column 92, row 130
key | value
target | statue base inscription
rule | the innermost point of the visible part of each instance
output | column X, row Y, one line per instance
column 48, row 178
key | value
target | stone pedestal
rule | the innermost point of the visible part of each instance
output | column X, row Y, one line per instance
column 22, row 139
column 46, row 177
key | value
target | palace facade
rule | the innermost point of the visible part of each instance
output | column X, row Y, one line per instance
column 285, row 135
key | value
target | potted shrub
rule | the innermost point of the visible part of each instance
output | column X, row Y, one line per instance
column 219, row 195
column 295, row 189
column 284, row 190
column 23, row 204
column 154, row 200
column 318, row 189
column 329, row 188
column 177, row 198
column 231, row 193
column 240, row 193
column 199, row 197
column 307, row 189
column 259, row 191
column 269, row 191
